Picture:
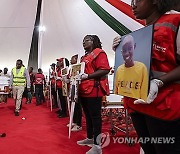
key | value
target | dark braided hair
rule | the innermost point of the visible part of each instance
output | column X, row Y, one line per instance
column 164, row 5
column 176, row 5
column 96, row 41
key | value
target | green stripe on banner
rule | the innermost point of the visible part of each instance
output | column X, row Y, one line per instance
column 107, row 18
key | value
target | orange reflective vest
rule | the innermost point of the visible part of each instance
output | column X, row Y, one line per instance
column 167, row 104
column 87, row 86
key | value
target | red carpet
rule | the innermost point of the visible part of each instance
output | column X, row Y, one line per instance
column 43, row 133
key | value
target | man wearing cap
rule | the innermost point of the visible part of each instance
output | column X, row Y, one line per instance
column 60, row 65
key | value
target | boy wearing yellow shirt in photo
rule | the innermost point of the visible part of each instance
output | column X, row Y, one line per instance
column 131, row 78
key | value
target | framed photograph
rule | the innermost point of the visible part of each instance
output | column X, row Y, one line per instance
column 77, row 69
column 64, row 71
column 132, row 64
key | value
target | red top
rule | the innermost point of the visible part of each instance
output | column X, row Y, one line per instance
column 39, row 77
column 59, row 82
column 166, row 105
column 100, row 63
column 53, row 74
column 31, row 75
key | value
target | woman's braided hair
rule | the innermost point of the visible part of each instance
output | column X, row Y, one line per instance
column 96, row 41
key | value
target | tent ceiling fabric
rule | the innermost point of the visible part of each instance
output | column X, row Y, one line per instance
column 17, row 20
column 66, row 22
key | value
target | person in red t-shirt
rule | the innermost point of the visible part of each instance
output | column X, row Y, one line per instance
column 159, row 117
column 94, row 85
column 39, row 81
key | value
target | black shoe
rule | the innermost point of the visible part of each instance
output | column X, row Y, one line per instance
column 54, row 107
column 62, row 115
column 58, row 112
column 16, row 113
column 38, row 103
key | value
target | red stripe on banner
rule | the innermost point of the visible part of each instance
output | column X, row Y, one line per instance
column 125, row 8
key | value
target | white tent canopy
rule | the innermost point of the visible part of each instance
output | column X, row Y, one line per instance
column 16, row 27
column 66, row 22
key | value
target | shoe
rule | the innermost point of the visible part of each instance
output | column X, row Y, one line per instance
column 58, row 112
column 62, row 115
column 73, row 124
column 54, row 107
column 88, row 142
column 16, row 113
column 96, row 149
column 76, row 128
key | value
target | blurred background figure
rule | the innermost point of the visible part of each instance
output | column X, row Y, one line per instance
column 5, row 72
column 4, row 85
column 39, row 82
column 0, row 71
column 77, row 118
column 53, row 84
column 63, row 102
